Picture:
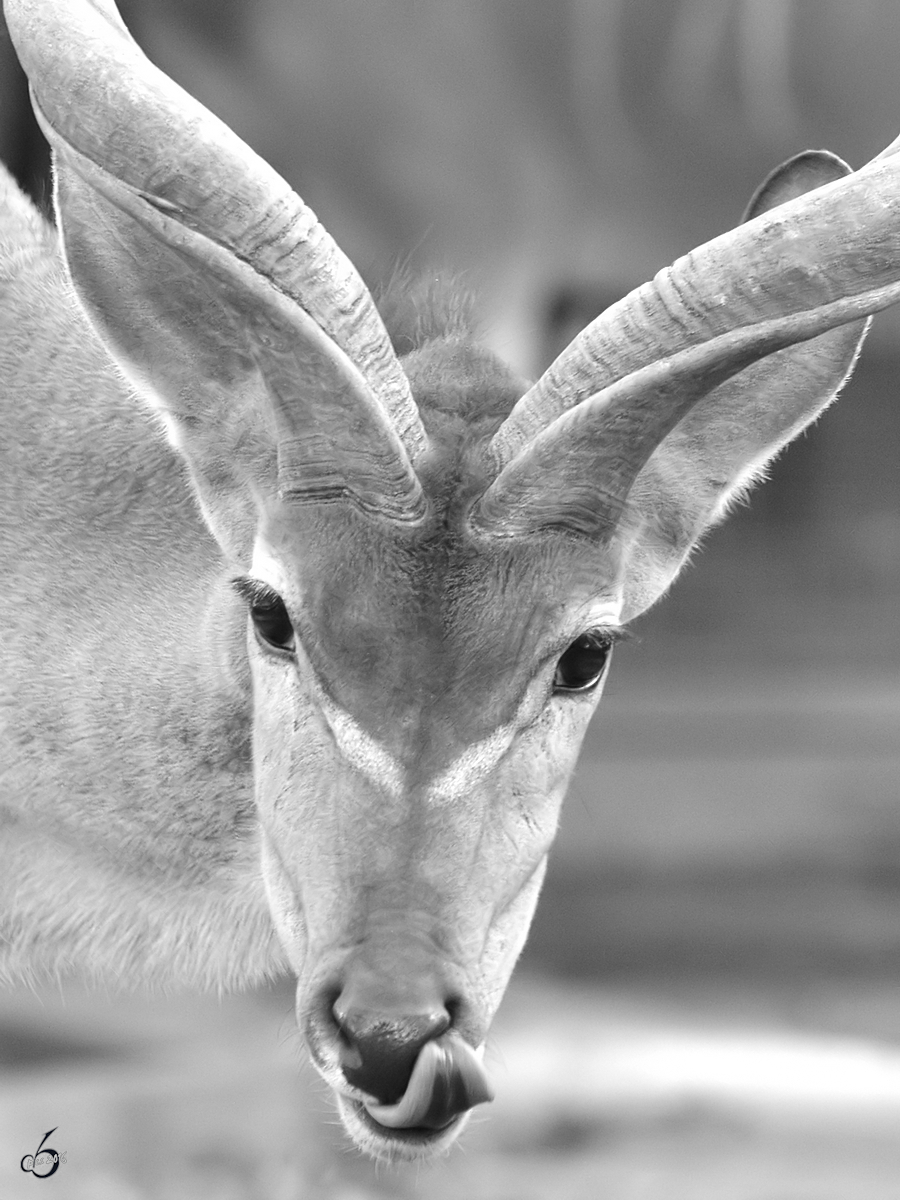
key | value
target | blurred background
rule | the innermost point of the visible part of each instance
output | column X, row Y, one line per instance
column 709, row 1005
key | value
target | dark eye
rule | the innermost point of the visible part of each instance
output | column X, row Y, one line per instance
column 268, row 614
column 273, row 623
column 582, row 665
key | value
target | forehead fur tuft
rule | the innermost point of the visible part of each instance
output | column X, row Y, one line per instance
column 463, row 391
column 419, row 310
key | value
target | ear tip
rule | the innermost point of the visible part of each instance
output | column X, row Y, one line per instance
column 822, row 160
column 802, row 173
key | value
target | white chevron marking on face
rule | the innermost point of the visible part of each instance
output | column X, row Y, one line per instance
column 359, row 749
column 369, row 757
column 471, row 766
column 362, row 751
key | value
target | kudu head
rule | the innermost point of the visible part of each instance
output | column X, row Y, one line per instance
column 436, row 559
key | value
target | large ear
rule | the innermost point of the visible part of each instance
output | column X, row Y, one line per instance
column 675, row 398
column 214, row 287
column 725, row 442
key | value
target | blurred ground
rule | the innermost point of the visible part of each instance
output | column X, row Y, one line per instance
column 654, row 1092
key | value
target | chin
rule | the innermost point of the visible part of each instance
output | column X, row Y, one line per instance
column 396, row 1145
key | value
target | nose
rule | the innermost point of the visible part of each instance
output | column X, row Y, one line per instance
column 379, row 1046
column 397, row 1044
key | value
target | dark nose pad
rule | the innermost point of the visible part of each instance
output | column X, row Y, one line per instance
column 378, row 1049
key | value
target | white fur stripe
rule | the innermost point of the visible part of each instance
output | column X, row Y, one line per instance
column 362, row 751
column 379, row 766
column 470, row 767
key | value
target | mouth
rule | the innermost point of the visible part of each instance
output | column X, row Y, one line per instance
column 393, row 1145
column 447, row 1081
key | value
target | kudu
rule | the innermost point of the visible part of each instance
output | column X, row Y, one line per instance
column 362, row 781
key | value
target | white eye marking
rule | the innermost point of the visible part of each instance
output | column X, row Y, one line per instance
column 470, row 767
column 173, row 432
column 362, row 751
column 266, row 567
column 358, row 748
column 602, row 616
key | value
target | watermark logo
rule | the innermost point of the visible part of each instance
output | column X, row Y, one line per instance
column 45, row 1161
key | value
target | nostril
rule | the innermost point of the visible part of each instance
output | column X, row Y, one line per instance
column 378, row 1050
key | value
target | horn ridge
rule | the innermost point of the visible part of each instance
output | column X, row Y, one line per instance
column 836, row 239
column 99, row 94
column 606, row 439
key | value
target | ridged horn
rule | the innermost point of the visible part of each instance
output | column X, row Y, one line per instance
column 135, row 136
column 829, row 257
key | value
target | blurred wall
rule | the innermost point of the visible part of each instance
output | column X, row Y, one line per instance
column 533, row 143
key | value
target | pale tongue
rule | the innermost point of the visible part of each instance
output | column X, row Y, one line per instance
column 447, row 1079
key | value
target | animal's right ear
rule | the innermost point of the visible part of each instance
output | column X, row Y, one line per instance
column 215, row 289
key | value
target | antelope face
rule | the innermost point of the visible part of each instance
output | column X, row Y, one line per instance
column 435, row 564
column 419, row 705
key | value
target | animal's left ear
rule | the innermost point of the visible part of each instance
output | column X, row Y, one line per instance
column 726, row 441
column 674, row 400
